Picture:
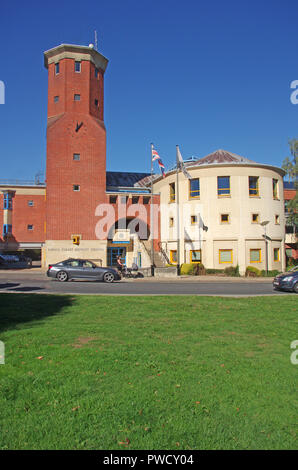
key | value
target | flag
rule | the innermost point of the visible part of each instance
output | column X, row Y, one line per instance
column 162, row 167
column 180, row 163
column 155, row 156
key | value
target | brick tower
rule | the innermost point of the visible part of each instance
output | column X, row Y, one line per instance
column 76, row 151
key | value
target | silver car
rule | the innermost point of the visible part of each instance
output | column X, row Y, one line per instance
column 81, row 269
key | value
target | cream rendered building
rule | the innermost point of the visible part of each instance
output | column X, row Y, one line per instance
column 221, row 211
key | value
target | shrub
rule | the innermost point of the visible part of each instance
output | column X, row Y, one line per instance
column 214, row 271
column 273, row 273
column 232, row 271
column 251, row 271
column 199, row 269
column 187, row 269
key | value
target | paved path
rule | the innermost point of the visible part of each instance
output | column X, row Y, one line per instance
column 37, row 282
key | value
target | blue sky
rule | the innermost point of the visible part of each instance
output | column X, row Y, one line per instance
column 203, row 75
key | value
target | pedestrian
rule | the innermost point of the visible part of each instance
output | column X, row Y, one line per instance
column 119, row 264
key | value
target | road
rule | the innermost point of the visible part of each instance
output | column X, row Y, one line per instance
column 28, row 282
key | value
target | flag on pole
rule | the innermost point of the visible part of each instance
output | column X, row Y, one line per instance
column 180, row 163
column 155, row 156
column 162, row 167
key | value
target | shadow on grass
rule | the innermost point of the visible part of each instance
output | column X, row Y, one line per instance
column 18, row 309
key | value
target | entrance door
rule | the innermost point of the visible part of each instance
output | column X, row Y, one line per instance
column 113, row 253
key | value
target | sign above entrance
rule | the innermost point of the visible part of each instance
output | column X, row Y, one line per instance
column 122, row 236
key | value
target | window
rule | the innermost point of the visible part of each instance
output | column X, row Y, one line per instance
column 7, row 230
column 275, row 188
column 76, row 156
column 77, row 66
column 57, row 68
column 7, row 201
column 193, row 219
column 77, row 97
column 255, row 255
column 113, row 199
column 173, row 256
column 194, row 188
column 146, row 200
column 135, row 199
column 255, row 218
column 74, row 263
column 223, row 186
column 171, row 221
column 253, row 182
column 29, row 227
column 124, row 199
column 30, row 203
column 226, row 256
column 96, row 72
column 88, row 264
column 76, row 187
column 56, row 99
column 277, row 220
column 195, row 256
column 225, row 218
column 172, row 192
column 276, row 254
column 96, row 103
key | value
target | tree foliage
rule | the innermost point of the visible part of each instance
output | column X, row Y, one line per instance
column 290, row 166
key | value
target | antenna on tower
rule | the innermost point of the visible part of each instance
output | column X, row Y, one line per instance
column 95, row 40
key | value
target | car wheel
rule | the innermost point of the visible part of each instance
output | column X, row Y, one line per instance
column 108, row 277
column 62, row 276
column 295, row 288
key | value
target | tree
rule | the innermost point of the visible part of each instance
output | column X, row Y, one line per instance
column 291, row 169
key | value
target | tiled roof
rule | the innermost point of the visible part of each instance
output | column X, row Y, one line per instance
column 289, row 185
column 222, row 156
column 125, row 179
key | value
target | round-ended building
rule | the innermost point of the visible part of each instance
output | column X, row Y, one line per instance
column 231, row 212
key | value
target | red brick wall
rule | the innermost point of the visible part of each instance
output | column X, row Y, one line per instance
column 144, row 214
column 70, row 212
column 23, row 215
column 67, row 83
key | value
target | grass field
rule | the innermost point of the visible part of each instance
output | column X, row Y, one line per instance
column 88, row 372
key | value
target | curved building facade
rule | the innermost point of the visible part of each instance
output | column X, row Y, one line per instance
column 231, row 212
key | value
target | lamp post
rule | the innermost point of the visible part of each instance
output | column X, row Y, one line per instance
column 264, row 224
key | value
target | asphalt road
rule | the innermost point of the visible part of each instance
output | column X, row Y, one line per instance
column 28, row 282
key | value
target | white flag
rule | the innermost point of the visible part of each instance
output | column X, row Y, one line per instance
column 180, row 163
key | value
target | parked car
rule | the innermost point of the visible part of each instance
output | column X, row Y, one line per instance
column 15, row 261
column 287, row 281
column 81, row 269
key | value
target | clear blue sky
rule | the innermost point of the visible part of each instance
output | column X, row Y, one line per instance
column 204, row 75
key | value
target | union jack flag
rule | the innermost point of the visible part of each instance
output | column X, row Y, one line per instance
column 162, row 167
column 155, row 155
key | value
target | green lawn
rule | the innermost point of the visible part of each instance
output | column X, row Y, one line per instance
column 95, row 372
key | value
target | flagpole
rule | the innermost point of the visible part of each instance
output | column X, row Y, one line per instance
column 178, row 217
column 151, row 217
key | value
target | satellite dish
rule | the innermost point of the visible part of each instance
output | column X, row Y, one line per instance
column 91, row 46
